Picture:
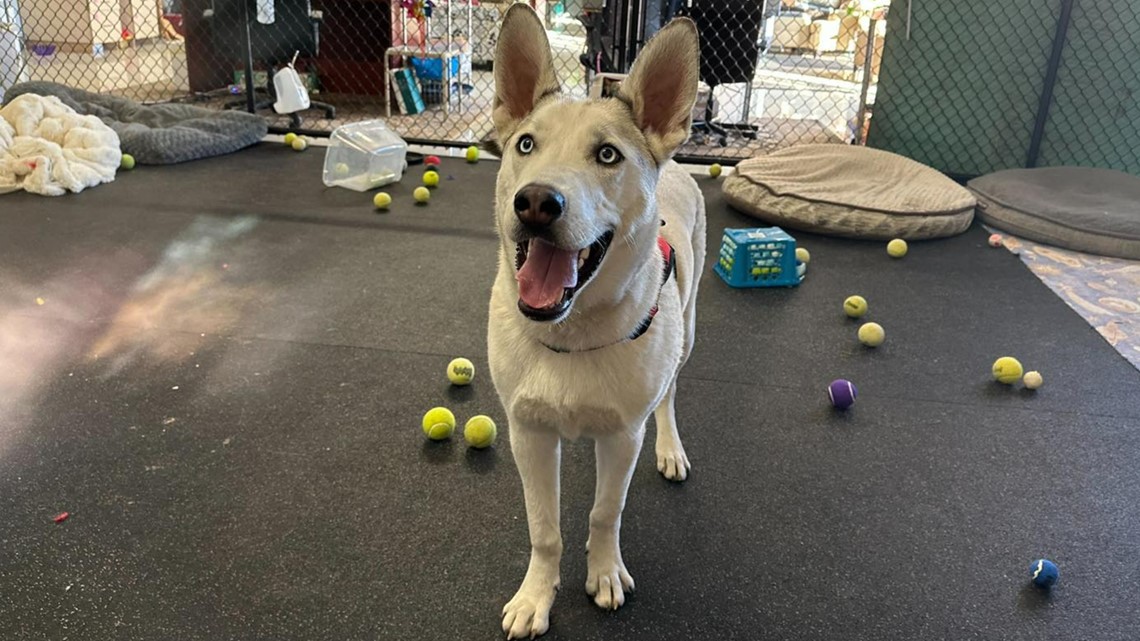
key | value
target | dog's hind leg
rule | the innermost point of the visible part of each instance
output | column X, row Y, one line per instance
column 672, row 461
column 606, row 577
column 537, row 455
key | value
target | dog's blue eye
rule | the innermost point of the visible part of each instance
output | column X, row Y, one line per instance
column 609, row 155
column 525, row 144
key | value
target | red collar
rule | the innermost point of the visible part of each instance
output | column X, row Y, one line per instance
column 670, row 266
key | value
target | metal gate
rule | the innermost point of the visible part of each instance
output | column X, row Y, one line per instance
column 774, row 73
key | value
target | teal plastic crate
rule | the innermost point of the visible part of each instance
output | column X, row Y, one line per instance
column 760, row 257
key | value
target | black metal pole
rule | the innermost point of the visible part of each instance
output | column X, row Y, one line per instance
column 250, row 100
column 639, row 40
column 627, row 37
column 868, row 59
column 1050, row 82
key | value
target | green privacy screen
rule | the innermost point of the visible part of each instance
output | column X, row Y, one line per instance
column 1094, row 119
column 962, row 94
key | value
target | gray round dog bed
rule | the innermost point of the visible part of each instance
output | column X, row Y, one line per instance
column 845, row 190
column 1081, row 208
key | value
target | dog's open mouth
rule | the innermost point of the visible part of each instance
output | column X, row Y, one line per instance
column 549, row 276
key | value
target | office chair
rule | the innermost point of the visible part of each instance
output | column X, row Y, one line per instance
column 292, row 28
column 597, row 58
column 729, row 33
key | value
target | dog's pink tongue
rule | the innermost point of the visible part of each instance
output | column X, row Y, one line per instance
column 545, row 273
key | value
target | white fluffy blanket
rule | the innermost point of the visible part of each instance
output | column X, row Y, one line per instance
column 46, row 148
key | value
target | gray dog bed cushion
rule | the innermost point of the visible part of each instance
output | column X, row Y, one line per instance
column 845, row 190
column 1081, row 208
column 160, row 134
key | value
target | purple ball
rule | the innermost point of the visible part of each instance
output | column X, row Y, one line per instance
column 842, row 393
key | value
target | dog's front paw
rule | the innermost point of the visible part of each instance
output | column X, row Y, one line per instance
column 527, row 614
column 672, row 461
column 607, row 579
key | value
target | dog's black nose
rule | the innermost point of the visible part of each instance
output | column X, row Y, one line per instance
column 539, row 205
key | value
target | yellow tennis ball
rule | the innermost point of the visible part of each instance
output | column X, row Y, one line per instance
column 290, row 137
column 439, row 423
column 715, row 170
column 341, row 169
column 472, row 154
column 460, row 371
column 1033, row 380
column 431, row 178
column 382, row 200
column 480, row 432
column 872, row 334
column 803, row 255
column 421, row 194
column 897, row 248
column 855, row 306
column 300, row 144
column 127, row 162
column 1007, row 369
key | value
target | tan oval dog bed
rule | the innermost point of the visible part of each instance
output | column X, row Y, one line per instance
column 844, row 190
column 1080, row 208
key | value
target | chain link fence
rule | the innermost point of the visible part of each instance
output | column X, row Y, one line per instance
column 774, row 73
column 971, row 88
column 1094, row 116
column 784, row 73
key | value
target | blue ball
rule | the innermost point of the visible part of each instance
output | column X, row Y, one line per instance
column 842, row 393
column 1044, row 573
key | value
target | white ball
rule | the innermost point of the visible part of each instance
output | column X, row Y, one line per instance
column 1032, row 380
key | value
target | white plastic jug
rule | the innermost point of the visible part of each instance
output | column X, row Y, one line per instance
column 291, row 94
column 266, row 12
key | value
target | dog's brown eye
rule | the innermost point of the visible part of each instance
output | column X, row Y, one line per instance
column 609, row 155
column 525, row 144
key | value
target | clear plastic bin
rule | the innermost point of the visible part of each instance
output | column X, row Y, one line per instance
column 364, row 156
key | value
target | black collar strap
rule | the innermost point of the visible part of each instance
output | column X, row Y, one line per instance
column 668, row 270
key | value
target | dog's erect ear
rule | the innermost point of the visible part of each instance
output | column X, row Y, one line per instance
column 524, row 69
column 662, row 86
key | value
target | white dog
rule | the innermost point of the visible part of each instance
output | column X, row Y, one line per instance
column 593, row 308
